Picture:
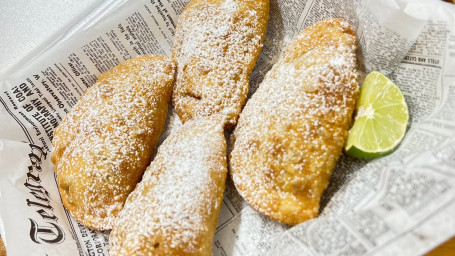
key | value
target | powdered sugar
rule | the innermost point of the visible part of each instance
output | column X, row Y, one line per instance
column 230, row 6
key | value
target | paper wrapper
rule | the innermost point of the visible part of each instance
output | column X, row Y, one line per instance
column 400, row 204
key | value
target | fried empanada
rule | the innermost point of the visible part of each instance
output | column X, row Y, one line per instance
column 174, row 209
column 291, row 132
column 103, row 146
column 216, row 46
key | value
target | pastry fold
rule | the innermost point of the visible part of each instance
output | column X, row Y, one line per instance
column 291, row 132
column 104, row 144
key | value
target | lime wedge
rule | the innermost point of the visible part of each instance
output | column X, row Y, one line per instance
column 381, row 119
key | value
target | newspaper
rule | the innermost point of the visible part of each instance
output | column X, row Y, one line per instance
column 403, row 203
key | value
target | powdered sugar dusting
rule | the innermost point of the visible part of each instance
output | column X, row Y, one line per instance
column 291, row 132
column 105, row 143
column 230, row 6
column 175, row 207
column 216, row 46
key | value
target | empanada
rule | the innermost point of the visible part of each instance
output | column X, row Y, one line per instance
column 291, row 132
column 103, row 146
column 216, row 46
column 174, row 209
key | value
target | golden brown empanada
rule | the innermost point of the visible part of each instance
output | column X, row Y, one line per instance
column 216, row 46
column 291, row 132
column 174, row 209
column 103, row 146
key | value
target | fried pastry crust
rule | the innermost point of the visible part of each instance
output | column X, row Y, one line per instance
column 216, row 46
column 2, row 248
column 103, row 146
column 174, row 209
column 291, row 132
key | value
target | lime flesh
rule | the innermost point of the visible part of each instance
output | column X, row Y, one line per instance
column 381, row 120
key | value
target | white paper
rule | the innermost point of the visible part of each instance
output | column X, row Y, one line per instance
column 402, row 204
column 32, row 214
